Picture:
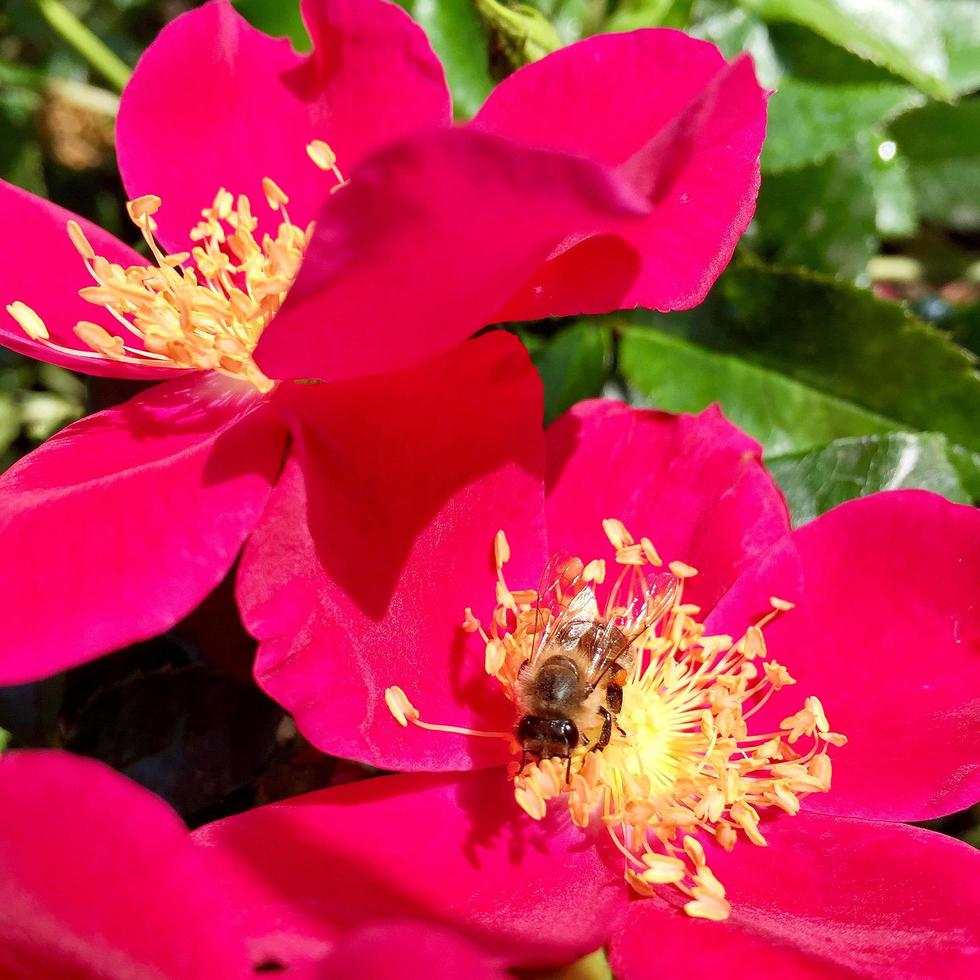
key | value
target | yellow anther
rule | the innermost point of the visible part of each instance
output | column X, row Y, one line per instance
column 99, row 339
column 400, row 706
column 274, row 194
column 617, row 534
column 663, row 869
column 29, row 321
column 79, row 240
column 501, row 549
column 777, row 675
column 707, row 906
column 142, row 207
column 650, row 552
column 321, row 154
column 682, row 570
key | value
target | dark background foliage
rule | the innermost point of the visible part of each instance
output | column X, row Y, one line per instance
column 843, row 336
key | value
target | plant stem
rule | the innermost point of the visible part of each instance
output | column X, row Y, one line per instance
column 90, row 47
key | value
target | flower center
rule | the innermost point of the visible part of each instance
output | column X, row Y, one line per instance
column 202, row 310
column 663, row 756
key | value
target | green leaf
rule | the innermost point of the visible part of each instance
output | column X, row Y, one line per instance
column 456, row 33
column 938, row 132
column 820, row 479
column 949, row 192
column 809, row 122
column 4, row 739
column 896, row 210
column 9, row 420
column 822, row 216
column 574, row 19
column 784, row 415
column 810, row 57
column 942, row 143
column 900, row 35
column 43, row 413
column 521, row 31
column 632, row 14
column 279, row 18
column 841, row 341
column 735, row 31
column 959, row 24
column 574, row 365
column 967, row 465
column 963, row 324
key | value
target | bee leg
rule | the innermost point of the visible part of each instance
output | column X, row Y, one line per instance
column 568, row 769
column 614, row 698
column 523, row 761
column 606, row 733
column 614, row 702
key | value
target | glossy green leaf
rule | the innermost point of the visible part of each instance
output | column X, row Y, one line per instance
column 817, row 480
column 784, row 415
column 808, row 122
column 4, row 739
column 967, row 465
column 900, row 35
column 457, row 34
column 573, row 365
column 279, row 18
column 841, row 341
column 822, row 217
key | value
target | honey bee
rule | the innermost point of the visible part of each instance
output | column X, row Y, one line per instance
column 572, row 682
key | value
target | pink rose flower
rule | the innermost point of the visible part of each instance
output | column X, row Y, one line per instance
column 881, row 640
column 99, row 878
column 619, row 171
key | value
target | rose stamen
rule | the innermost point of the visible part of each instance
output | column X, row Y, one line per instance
column 405, row 713
column 680, row 761
column 205, row 316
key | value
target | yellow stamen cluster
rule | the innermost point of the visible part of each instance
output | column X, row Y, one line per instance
column 681, row 763
column 201, row 310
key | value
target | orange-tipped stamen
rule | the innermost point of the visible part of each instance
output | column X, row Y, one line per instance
column 405, row 713
column 208, row 316
column 680, row 762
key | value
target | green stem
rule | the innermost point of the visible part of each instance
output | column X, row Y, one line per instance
column 90, row 47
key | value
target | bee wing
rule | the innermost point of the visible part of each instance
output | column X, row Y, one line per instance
column 616, row 641
column 648, row 606
column 565, row 607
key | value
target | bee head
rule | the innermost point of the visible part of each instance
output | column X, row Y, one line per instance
column 547, row 737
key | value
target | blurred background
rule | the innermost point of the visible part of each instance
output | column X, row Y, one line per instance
column 843, row 336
